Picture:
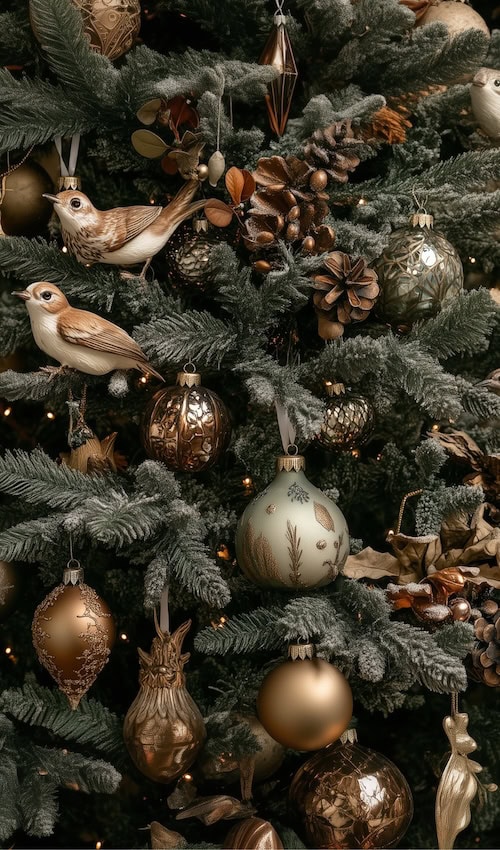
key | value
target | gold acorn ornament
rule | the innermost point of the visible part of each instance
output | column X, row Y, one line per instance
column 349, row 419
column 73, row 634
column 292, row 535
column 10, row 588
column 350, row 796
column 305, row 703
column 163, row 728
column 419, row 273
column 186, row 426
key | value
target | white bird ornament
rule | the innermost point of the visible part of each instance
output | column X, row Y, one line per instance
column 485, row 99
column 79, row 339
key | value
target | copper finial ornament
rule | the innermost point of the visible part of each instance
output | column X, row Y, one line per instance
column 279, row 54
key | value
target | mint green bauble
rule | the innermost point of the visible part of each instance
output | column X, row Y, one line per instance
column 291, row 535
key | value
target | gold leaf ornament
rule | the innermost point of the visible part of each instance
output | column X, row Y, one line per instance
column 323, row 517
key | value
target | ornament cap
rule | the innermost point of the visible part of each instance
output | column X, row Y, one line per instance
column 337, row 388
column 290, row 463
column 280, row 20
column 350, row 736
column 301, row 651
column 73, row 573
column 422, row 219
column 200, row 225
column 70, row 182
column 188, row 379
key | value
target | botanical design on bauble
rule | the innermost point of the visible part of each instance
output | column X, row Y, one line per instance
column 297, row 493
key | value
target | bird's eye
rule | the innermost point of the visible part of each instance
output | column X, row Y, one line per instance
column 75, row 203
column 497, row 83
column 46, row 295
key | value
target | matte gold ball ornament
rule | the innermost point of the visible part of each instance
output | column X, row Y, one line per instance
column 292, row 535
column 23, row 210
column 223, row 766
column 350, row 796
column 187, row 426
column 305, row 703
column 73, row 633
column 163, row 728
column 419, row 273
column 10, row 588
column 457, row 16
column 348, row 421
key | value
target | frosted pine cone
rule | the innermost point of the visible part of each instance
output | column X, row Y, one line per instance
column 346, row 291
column 333, row 149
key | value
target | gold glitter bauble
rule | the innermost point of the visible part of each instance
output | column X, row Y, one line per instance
column 350, row 796
column 305, row 703
column 225, row 768
column 252, row 834
column 73, row 632
column 348, row 421
column 186, row 426
column 163, row 729
column 23, row 211
column 10, row 587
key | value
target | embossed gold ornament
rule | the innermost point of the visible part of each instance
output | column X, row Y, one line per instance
column 252, row 834
column 226, row 769
column 111, row 26
column 163, row 728
column 187, row 426
column 419, row 273
column 348, row 420
column 305, row 702
column 350, row 796
column 458, row 784
column 291, row 535
column 10, row 588
column 73, row 633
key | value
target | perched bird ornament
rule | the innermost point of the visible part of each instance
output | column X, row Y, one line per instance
column 79, row 339
column 122, row 236
column 485, row 98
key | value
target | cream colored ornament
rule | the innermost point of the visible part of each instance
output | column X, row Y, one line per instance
column 456, row 16
column 485, row 99
column 292, row 535
column 216, row 168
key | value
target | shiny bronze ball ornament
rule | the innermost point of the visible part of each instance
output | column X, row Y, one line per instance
column 225, row 768
column 419, row 273
column 252, row 834
column 187, row 426
column 292, row 535
column 23, row 210
column 73, row 633
column 10, row 588
column 350, row 796
column 305, row 703
column 163, row 728
column 348, row 421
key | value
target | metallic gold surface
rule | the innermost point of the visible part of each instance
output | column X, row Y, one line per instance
column 111, row 26
column 305, row 704
column 9, row 588
column 348, row 421
column 351, row 797
column 69, row 182
column 23, row 210
column 252, row 834
column 226, row 768
column 187, row 427
column 163, row 728
column 290, row 463
column 73, row 632
column 278, row 53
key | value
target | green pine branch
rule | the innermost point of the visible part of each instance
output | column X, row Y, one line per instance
column 245, row 633
column 463, row 327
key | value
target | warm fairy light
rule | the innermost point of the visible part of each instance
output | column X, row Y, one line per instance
column 123, row 636
column 143, row 379
column 187, row 777
column 7, row 411
column 379, row 456
column 51, row 415
column 247, row 482
column 98, row 845
column 472, row 259
column 435, row 426
column 64, row 249
column 8, row 650
column 356, row 453
column 328, row 383
column 152, row 201
column 224, row 553
column 362, row 202
column 220, row 623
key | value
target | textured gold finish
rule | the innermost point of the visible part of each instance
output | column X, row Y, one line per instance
column 70, row 182
column 458, row 784
column 301, row 650
column 348, row 421
column 111, row 26
column 73, row 632
column 421, row 219
column 290, row 463
column 252, row 834
column 187, row 426
column 349, row 796
column 163, row 728
column 10, row 587
column 278, row 53
column 225, row 768
column 305, row 704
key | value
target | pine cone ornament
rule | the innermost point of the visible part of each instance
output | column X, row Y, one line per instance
column 388, row 125
column 291, row 204
column 486, row 650
column 346, row 291
column 333, row 150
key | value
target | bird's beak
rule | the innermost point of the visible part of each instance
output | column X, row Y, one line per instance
column 53, row 198
column 23, row 294
column 479, row 80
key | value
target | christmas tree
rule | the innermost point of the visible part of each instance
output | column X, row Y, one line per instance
column 250, row 387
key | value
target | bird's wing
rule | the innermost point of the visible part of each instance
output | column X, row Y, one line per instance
column 124, row 223
column 91, row 331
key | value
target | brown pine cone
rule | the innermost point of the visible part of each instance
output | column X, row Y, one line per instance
column 290, row 204
column 333, row 149
column 387, row 125
column 486, row 650
column 346, row 291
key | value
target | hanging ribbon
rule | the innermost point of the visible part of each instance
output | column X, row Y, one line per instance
column 68, row 179
column 288, row 430
column 164, row 615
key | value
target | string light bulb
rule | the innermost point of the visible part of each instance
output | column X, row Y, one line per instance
column 8, row 650
column 98, row 845
column 123, row 636
column 7, row 411
column 50, row 415
column 435, row 426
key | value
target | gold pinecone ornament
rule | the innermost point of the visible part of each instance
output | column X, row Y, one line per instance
column 163, row 729
column 486, row 650
column 349, row 419
column 346, row 291
column 334, row 150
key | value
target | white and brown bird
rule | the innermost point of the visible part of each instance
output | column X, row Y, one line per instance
column 78, row 339
column 122, row 236
column 485, row 99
